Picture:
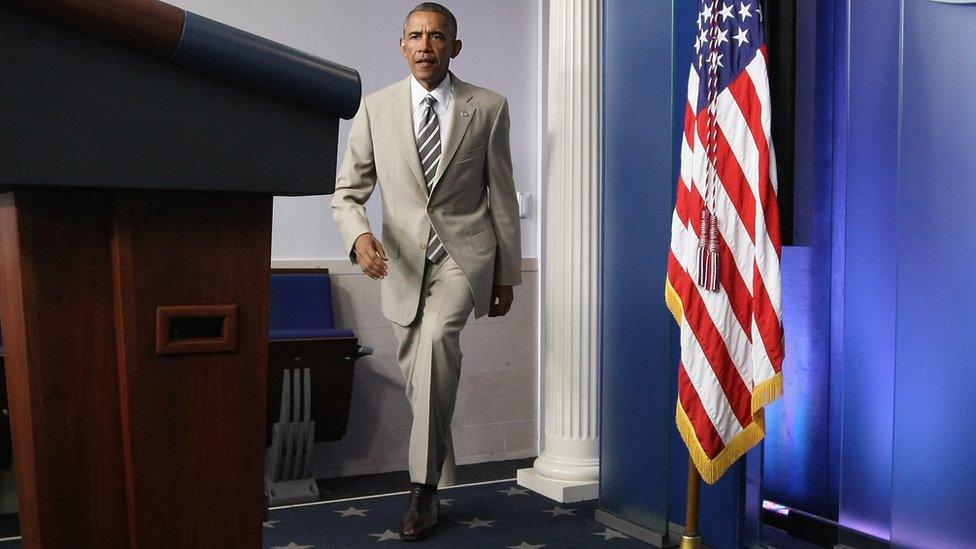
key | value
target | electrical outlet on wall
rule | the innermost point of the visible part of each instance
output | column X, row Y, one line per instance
column 524, row 205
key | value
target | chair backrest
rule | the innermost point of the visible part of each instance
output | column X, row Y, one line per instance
column 301, row 305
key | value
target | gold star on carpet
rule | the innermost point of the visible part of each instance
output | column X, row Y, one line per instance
column 352, row 512
column 386, row 535
column 291, row 545
column 270, row 523
column 557, row 511
column 446, row 501
column 513, row 491
column 525, row 545
column 609, row 534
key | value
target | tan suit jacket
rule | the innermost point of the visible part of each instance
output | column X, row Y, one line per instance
column 473, row 207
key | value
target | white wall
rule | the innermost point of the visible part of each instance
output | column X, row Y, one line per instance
column 496, row 417
column 501, row 52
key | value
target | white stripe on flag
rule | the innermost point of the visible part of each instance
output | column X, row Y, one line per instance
column 762, row 367
column 705, row 383
column 757, row 73
column 731, row 228
column 693, row 83
column 736, row 129
column 733, row 334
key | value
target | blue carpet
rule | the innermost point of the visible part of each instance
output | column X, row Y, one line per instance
column 498, row 515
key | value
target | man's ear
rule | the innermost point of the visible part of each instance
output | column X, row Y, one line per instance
column 457, row 49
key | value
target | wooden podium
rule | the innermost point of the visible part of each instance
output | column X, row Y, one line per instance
column 135, row 245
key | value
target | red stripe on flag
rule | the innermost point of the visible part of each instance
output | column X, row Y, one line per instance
column 689, row 207
column 768, row 323
column 712, row 344
column 701, row 127
column 689, row 126
column 735, row 288
column 744, row 92
column 705, row 431
column 730, row 174
column 736, row 186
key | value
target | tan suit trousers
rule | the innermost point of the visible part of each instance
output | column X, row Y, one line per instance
column 429, row 354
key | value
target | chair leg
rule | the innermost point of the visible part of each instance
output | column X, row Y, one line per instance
column 288, row 478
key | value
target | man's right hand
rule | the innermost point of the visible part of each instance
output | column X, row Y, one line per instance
column 370, row 256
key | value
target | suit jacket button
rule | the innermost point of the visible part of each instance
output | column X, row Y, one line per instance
column 430, row 209
column 423, row 245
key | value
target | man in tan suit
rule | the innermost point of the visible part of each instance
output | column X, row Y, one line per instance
column 439, row 149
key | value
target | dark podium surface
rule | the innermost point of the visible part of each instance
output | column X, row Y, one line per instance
column 135, row 244
column 93, row 114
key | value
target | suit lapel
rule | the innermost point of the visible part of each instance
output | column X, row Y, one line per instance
column 403, row 127
column 463, row 111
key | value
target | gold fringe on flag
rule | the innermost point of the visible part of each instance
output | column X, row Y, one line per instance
column 712, row 469
column 673, row 300
column 764, row 393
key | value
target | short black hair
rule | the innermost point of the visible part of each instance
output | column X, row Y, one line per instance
column 434, row 7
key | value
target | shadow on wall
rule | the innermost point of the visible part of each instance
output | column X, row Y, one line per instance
column 379, row 416
column 495, row 417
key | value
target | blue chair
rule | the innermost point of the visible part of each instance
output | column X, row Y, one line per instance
column 301, row 306
column 310, row 378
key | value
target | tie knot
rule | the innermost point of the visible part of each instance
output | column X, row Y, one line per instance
column 429, row 101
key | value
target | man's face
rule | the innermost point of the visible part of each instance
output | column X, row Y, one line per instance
column 428, row 47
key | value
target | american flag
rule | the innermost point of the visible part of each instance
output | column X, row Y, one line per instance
column 723, row 284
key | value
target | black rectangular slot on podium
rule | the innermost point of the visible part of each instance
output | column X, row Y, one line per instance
column 189, row 327
column 196, row 329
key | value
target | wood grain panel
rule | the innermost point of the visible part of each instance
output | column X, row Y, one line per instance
column 115, row 445
column 193, row 423
column 56, row 308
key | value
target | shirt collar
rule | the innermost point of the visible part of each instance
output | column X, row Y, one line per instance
column 442, row 93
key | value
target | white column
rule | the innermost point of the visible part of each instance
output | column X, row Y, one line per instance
column 568, row 468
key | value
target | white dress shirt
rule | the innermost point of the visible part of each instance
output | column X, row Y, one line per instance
column 444, row 94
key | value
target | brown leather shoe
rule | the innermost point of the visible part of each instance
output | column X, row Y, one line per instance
column 420, row 521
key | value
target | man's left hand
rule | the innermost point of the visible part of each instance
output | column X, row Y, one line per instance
column 501, row 300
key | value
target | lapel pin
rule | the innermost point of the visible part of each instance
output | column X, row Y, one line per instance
column 464, row 113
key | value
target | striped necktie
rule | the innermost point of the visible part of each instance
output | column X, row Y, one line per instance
column 429, row 147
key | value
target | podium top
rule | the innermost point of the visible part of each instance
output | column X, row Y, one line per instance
column 147, row 96
column 209, row 48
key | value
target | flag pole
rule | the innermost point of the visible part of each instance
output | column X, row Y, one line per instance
column 691, row 539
